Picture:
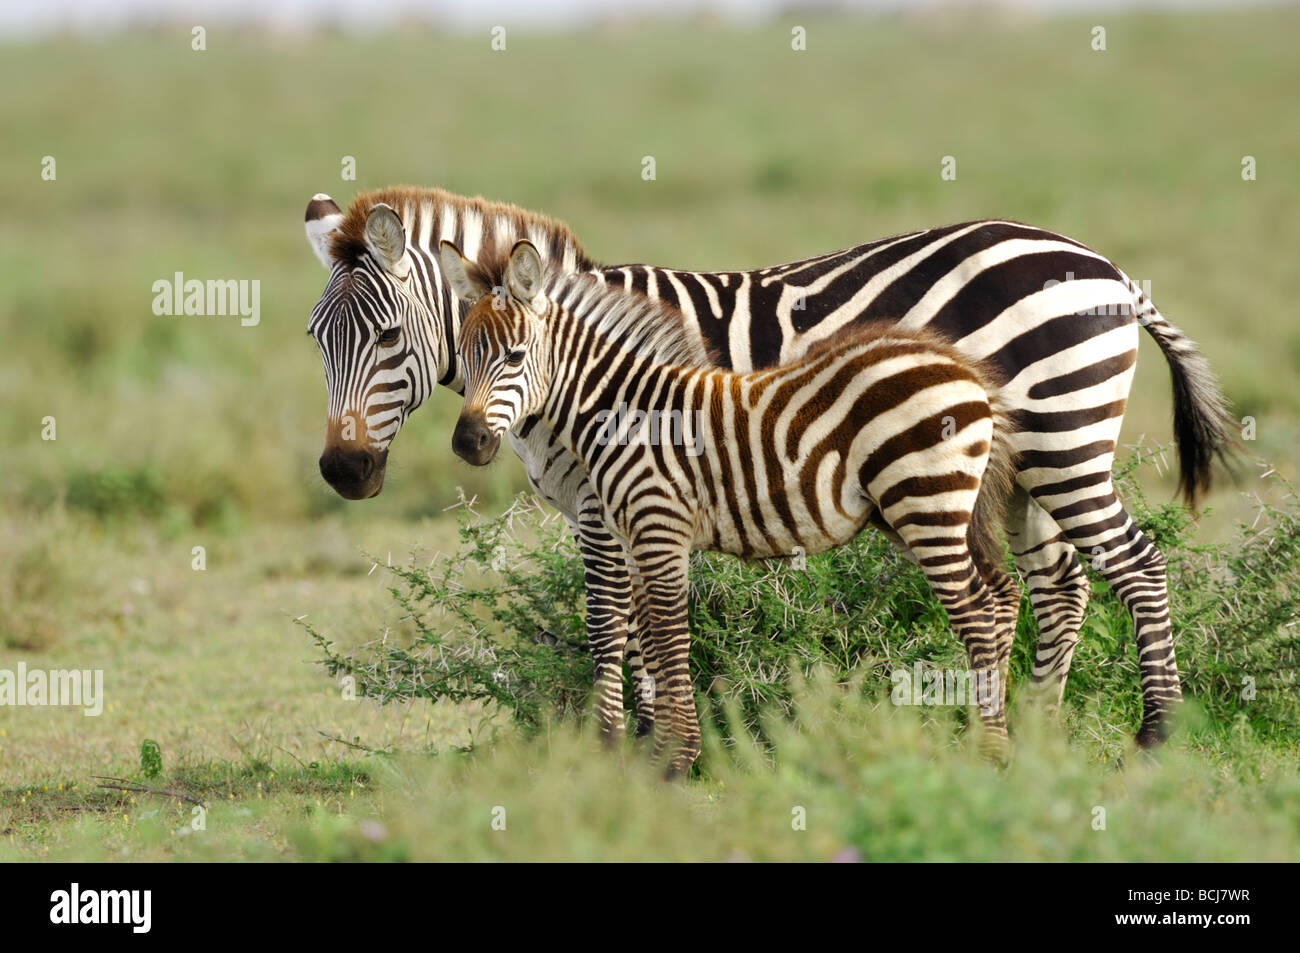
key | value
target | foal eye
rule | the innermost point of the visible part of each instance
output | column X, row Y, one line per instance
column 389, row 337
column 515, row 357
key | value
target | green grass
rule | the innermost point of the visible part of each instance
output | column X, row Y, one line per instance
column 846, row 780
column 176, row 432
column 207, row 663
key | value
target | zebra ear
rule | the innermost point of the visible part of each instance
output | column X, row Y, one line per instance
column 463, row 275
column 323, row 219
column 386, row 239
column 524, row 271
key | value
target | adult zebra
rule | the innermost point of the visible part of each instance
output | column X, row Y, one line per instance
column 1057, row 322
column 884, row 426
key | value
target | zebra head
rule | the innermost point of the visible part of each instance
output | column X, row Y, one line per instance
column 371, row 325
column 501, row 354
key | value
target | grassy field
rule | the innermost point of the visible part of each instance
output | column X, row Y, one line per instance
column 177, row 432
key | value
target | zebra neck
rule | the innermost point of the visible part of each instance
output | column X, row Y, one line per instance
column 594, row 382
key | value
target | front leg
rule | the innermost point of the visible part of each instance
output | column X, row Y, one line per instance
column 558, row 478
column 609, row 595
column 663, row 563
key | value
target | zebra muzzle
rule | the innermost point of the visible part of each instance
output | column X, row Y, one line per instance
column 473, row 441
column 354, row 474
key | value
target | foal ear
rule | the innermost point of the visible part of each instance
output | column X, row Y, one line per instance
column 524, row 271
column 323, row 220
column 462, row 274
column 386, row 239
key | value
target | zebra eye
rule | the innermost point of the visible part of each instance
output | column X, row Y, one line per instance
column 389, row 337
column 515, row 357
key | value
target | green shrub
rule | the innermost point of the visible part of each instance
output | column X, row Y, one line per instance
column 512, row 635
column 150, row 758
column 501, row 621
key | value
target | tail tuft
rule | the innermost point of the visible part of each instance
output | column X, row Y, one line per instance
column 1203, row 428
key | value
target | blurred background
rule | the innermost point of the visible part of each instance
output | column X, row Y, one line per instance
column 170, row 159
column 182, row 431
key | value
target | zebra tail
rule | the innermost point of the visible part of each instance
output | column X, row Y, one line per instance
column 984, row 538
column 1202, row 425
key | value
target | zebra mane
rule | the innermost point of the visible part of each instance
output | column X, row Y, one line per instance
column 655, row 330
column 651, row 329
column 426, row 213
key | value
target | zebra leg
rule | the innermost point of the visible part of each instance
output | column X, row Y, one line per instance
column 1103, row 532
column 1006, row 611
column 975, row 618
column 972, row 612
column 651, row 695
column 557, row 477
column 664, row 569
column 1058, row 592
column 1006, row 605
column 609, row 588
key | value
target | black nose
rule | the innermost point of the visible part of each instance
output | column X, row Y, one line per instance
column 473, row 442
column 349, row 472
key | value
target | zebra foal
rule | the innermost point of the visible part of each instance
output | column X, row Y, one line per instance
column 885, row 425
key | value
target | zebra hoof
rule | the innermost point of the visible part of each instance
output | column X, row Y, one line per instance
column 678, row 767
column 675, row 772
column 1153, row 736
column 998, row 755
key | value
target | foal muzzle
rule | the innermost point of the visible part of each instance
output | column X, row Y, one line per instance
column 473, row 441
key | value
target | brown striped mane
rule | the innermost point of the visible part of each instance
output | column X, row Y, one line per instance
column 414, row 204
column 653, row 329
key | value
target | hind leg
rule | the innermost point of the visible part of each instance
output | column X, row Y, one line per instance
column 1006, row 611
column 973, row 612
column 1095, row 521
column 1058, row 592
column 992, row 613
column 974, row 615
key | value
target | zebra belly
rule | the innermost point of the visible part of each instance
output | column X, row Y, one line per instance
column 770, row 531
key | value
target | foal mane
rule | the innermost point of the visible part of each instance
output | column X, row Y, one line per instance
column 650, row 328
column 655, row 330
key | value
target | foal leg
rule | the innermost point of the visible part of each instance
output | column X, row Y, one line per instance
column 1006, row 595
column 664, row 570
column 1006, row 612
column 609, row 591
column 974, row 615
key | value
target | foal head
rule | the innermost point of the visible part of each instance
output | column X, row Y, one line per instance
column 503, row 358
